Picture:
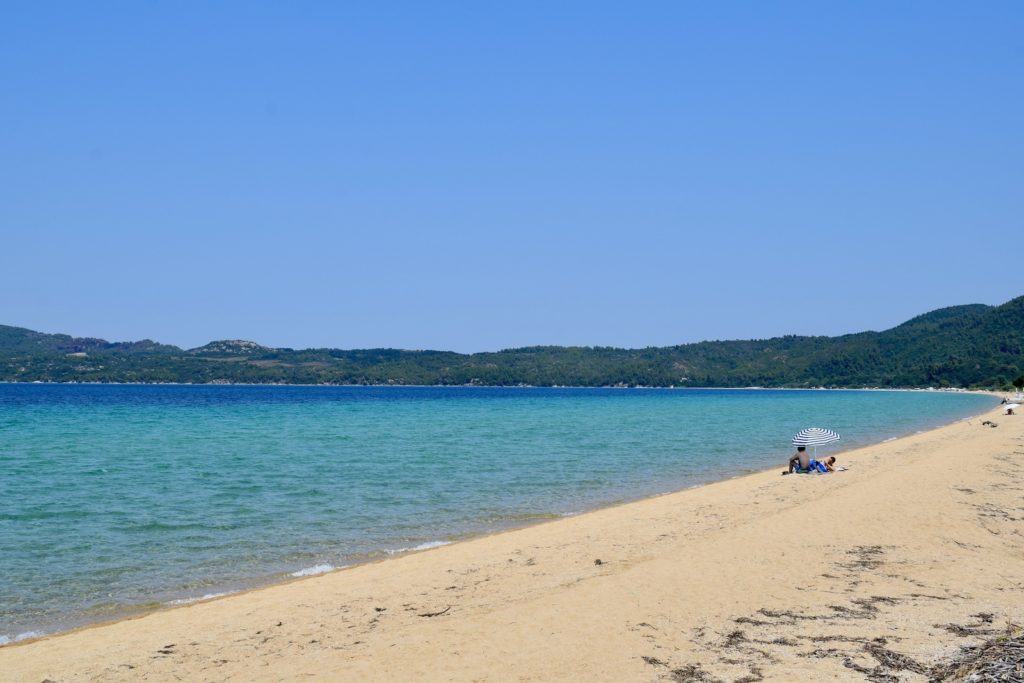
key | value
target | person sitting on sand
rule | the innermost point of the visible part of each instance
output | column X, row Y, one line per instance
column 801, row 460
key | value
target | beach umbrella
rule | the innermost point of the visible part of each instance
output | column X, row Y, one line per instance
column 814, row 436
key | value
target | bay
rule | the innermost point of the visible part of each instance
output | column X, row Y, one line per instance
column 116, row 499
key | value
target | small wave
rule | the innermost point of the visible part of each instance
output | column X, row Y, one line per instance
column 7, row 640
column 208, row 596
column 422, row 546
column 314, row 570
column 143, row 527
column 525, row 517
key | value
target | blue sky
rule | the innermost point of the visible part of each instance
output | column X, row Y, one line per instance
column 477, row 176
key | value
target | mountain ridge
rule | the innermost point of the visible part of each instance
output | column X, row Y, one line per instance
column 971, row 345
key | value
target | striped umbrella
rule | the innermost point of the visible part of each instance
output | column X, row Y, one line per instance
column 814, row 436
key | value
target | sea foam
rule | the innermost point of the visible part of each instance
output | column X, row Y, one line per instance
column 6, row 640
column 208, row 596
column 422, row 546
column 314, row 570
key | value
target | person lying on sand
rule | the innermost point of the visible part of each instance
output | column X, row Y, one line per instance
column 824, row 466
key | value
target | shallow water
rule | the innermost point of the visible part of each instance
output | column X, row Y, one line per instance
column 116, row 498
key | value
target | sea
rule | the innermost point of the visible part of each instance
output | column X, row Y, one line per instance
column 121, row 499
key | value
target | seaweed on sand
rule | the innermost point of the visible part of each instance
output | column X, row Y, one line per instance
column 998, row 659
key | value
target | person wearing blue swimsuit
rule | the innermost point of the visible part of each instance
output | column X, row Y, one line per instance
column 823, row 466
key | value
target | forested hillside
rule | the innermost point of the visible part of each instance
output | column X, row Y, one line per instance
column 961, row 346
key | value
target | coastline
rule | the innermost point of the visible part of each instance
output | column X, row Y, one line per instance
column 511, row 591
column 673, row 387
column 751, row 461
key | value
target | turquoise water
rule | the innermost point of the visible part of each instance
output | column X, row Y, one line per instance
column 115, row 499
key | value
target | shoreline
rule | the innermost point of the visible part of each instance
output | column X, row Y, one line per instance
column 393, row 578
column 247, row 584
column 671, row 387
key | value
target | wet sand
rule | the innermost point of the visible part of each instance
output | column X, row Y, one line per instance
column 885, row 569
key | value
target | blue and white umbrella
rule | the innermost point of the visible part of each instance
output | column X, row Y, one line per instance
column 814, row 436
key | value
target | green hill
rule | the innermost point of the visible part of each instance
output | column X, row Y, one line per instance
column 960, row 346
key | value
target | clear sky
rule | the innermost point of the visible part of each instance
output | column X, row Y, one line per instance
column 475, row 176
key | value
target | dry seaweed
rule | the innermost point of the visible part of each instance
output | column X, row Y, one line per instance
column 1000, row 659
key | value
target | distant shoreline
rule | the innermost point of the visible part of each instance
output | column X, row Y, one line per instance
column 505, row 386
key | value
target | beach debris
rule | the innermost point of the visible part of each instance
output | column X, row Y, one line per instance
column 782, row 640
column 999, row 659
column 926, row 596
column 734, row 638
column 989, row 423
column 692, row 673
column 968, row 630
column 435, row 614
column 875, row 675
column 788, row 615
column 598, row 562
column 894, row 660
column 964, row 631
column 865, row 557
column 754, row 676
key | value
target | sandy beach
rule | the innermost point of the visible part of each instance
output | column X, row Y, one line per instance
column 883, row 570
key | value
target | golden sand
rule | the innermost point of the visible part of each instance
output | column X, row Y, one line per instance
column 889, row 567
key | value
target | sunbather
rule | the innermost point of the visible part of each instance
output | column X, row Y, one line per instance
column 824, row 466
column 801, row 463
column 801, row 460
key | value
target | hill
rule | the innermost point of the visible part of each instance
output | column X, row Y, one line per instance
column 960, row 346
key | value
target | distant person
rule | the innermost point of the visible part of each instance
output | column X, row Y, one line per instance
column 1009, row 411
column 802, row 463
column 801, row 460
column 824, row 466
